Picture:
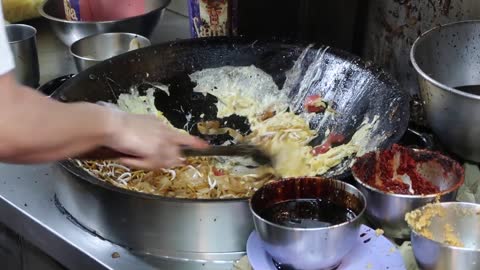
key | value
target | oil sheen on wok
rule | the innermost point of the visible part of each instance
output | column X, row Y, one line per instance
column 280, row 132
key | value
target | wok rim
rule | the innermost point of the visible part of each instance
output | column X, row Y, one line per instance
column 425, row 76
column 367, row 65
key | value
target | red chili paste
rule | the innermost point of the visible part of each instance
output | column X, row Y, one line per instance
column 383, row 170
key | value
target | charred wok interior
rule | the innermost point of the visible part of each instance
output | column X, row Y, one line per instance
column 190, row 94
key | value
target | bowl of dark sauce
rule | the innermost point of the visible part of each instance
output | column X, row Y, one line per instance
column 308, row 223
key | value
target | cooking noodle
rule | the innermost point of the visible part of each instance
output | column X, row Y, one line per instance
column 275, row 129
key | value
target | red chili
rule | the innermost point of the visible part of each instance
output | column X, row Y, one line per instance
column 315, row 104
column 217, row 172
column 332, row 140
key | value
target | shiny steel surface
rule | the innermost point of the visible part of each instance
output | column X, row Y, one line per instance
column 434, row 255
column 447, row 57
column 318, row 248
column 193, row 230
column 97, row 48
column 71, row 31
column 23, row 43
column 387, row 211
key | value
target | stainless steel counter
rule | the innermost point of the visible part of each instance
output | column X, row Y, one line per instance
column 27, row 199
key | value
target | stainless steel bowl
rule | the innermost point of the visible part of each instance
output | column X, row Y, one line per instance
column 94, row 49
column 308, row 248
column 444, row 58
column 387, row 210
column 433, row 254
column 71, row 31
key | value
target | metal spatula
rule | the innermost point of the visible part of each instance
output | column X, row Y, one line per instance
column 244, row 150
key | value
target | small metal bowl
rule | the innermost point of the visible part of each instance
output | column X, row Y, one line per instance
column 70, row 31
column 387, row 210
column 97, row 48
column 434, row 254
column 308, row 248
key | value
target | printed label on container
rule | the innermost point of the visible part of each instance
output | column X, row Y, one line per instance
column 213, row 18
column 72, row 10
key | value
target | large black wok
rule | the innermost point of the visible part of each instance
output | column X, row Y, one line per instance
column 214, row 230
column 357, row 89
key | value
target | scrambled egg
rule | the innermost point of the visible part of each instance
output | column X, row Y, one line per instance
column 134, row 103
column 245, row 91
column 250, row 92
column 420, row 221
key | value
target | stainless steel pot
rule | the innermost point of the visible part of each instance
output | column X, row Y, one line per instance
column 447, row 57
column 191, row 230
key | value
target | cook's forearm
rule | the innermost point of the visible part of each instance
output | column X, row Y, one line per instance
column 37, row 129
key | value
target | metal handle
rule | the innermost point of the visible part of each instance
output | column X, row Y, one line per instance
column 103, row 153
column 230, row 150
column 50, row 87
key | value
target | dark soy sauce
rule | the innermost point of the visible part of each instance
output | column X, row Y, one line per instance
column 307, row 213
column 471, row 89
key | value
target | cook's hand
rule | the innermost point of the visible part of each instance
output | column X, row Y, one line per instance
column 152, row 144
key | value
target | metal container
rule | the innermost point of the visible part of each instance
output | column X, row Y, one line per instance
column 71, row 31
column 391, row 27
column 387, row 210
column 213, row 18
column 189, row 230
column 23, row 44
column 433, row 254
column 447, row 57
column 308, row 248
column 97, row 48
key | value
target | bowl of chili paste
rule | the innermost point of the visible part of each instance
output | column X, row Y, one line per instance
column 398, row 180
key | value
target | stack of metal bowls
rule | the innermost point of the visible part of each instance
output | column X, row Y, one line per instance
column 455, row 221
column 387, row 210
column 70, row 31
column 313, row 247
